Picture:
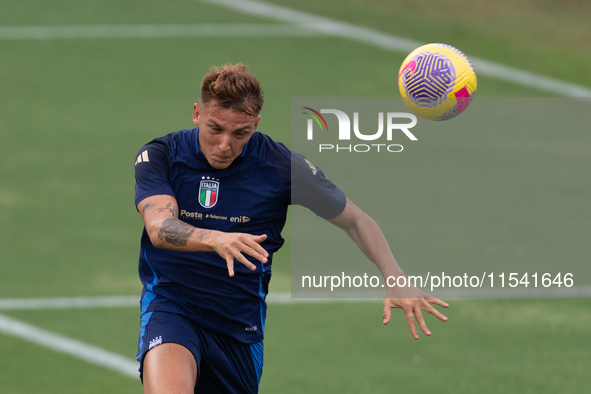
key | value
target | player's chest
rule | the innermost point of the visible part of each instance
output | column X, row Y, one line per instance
column 227, row 200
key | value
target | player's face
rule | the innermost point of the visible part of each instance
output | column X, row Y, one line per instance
column 223, row 133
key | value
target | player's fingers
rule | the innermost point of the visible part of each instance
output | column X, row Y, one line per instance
column 255, row 250
column 421, row 319
column 427, row 307
column 437, row 301
column 260, row 238
column 245, row 261
column 256, row 244
column 387, row 314
column 230, row 264
column 410, row 320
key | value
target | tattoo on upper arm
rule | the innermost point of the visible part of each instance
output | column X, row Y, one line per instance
column 175, row 232
column 174, row 210
column 145, row 208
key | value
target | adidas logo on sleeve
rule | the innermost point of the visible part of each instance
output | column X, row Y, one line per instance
column 143, row 157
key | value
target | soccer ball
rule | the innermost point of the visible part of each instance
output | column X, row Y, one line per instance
column 437, row 81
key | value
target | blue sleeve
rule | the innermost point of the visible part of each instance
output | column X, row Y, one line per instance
column 311, row 189
column 305, row 184
column 152, row 170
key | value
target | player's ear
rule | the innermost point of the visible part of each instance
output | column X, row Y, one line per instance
column 196, row 111
column 256, row 124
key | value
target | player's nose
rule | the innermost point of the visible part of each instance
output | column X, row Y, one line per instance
column 224, row 144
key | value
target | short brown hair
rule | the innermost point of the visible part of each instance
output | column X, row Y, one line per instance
column 232, row 87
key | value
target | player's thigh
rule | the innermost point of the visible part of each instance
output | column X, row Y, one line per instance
column 169, row 352
column 169, row 368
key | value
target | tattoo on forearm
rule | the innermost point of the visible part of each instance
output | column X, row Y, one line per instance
column 174, row 210
column 175, row 232
column 203, row 234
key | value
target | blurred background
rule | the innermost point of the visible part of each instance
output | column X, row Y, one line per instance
column 83, row 85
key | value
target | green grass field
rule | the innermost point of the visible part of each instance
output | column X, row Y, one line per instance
column 74, row 112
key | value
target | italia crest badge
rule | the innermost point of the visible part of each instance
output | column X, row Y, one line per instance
column 209, row 191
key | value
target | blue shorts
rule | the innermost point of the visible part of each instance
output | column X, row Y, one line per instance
column 224, row 364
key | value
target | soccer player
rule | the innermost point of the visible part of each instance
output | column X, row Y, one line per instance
column 214, row 201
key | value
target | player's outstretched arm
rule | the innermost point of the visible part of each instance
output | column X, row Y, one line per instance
column 369, row 238
column 166, row 231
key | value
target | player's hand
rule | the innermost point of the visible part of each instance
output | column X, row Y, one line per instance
column 411, row 300
column 231, row 246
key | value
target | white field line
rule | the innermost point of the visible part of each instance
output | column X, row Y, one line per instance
column 399, row 44
column 301, row 24
column 154, row 31
column 8, row 304
column 72, row 347
column 15, row 304
column 69, row 302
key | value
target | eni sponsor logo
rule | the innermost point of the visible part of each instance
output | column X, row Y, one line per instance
column 240, row 219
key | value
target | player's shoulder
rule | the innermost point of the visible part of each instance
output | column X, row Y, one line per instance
column 168, row 144
column 267, row 149
column 172, row 140
column 279, row 155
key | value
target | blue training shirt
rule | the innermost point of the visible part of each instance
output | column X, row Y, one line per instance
column 250, row 196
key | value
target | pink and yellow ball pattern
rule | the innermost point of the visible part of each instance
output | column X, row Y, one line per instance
column 437, row 81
